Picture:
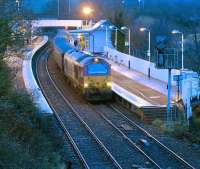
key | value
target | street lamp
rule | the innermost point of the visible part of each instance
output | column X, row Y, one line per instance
column 129, row 43
column 116, row 37
column 182, row 45
column 17, row 2
column 143, row 29
column 69, row 7
column 58, row 8
column 129, row 38
column 87, row 11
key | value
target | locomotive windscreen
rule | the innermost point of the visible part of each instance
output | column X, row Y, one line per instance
column 97, row 69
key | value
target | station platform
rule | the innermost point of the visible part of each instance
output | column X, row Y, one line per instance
column 138, row 89
column 146, row 97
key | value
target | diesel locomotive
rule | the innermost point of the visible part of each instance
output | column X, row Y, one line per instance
column 87, row 73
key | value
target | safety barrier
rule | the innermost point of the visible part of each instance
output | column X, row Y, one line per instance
column 139, row 65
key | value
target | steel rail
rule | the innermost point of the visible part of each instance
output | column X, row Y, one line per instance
column 129, row 140
column 152, row 137
column 82, row 121
column 75, row 147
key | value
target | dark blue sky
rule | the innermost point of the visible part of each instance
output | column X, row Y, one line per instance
column 38, row 5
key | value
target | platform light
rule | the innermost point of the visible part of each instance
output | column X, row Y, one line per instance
column 87, row 10
column 143, row 29
column 96, row 60
column 86, row 85
column 176, row 31
column 124, row 28
column 109, row 84
column 17, row 2
column 129, row 43
column 182, row 45
column 129, row 39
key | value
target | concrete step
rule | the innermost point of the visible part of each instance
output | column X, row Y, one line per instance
column 151, row 114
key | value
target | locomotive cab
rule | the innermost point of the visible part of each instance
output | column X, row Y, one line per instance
column 97, row 79
column 86, row 73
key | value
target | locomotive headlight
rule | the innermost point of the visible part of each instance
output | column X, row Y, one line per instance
column 85, row 85
column 109, row 84
column 96, row 59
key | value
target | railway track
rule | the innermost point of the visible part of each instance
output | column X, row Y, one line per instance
column 90, row 150
column 139, row 137
column 125, row 153
column 119, row 149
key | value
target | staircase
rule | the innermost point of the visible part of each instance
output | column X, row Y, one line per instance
column 152, row 113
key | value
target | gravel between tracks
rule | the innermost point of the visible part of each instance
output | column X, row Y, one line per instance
column 165, row 160
column 183, row 148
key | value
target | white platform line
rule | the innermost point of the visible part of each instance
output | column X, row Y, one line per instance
column 30, row 82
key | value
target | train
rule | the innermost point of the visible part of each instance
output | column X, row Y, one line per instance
column 90, row 74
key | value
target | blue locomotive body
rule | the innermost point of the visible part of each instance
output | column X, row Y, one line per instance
column 90, row 74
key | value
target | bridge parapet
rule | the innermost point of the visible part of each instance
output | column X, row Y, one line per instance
column 57, row 23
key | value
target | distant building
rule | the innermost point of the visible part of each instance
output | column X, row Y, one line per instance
column 95, row 37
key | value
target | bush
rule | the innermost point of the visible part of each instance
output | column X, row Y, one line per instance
column 182, row 131
column 33, row 135
column 179, row 131
column 5, row 84
column 158, row 123
column 28, row 139
column 196, row 123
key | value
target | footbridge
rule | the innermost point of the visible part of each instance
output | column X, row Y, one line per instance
column 57, row 23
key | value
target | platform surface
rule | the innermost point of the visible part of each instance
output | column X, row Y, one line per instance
column 138, row 88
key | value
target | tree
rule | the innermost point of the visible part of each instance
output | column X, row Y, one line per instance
column 191, row 24
column 5, row 34
column 118, row 21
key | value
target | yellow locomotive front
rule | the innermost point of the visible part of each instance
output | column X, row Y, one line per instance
column 97, row 80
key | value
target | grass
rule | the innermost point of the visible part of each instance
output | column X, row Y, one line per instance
column 181, row 131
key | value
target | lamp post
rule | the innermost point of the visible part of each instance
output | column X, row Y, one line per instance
column 87, row 11
column 129, row 43
column 58, row 8
column 149, row 48
column 69, row 7
column 116, row 37
column 139, row 2
column 182, row 46
column 17, row 2
column 129, row 38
